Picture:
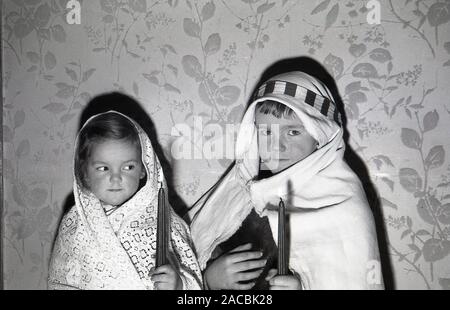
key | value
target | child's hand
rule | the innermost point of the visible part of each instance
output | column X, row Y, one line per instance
column 166, row 278
column 287, row 282
column 227, row 270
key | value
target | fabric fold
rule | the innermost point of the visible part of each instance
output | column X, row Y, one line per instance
column 117, row 251
column 332, row 233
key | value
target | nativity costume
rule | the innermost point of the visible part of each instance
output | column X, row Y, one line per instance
column 116, row 249
column 333, row 242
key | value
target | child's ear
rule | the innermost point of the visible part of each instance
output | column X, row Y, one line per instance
column 143, row 173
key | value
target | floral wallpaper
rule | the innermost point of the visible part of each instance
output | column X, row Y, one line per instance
column 196, row 63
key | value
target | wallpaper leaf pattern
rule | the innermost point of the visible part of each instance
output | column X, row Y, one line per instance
column 184, row 59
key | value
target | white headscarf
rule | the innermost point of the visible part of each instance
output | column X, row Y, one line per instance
column 117, row 251
column 333, row 238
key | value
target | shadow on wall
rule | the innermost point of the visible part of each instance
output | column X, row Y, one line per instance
column 315, row 69
column 131, row 108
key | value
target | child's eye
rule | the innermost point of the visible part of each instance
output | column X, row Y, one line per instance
column 294, row 132
column 102, row 168
column 266, row 132
column 129, row 167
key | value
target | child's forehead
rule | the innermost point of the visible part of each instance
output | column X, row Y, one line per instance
column 112, row 146
column 268, row 118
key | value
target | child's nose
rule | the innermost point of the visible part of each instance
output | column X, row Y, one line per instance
column 279, row 144
column 116, row 176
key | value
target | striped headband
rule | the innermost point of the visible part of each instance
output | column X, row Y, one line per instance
column 324, row 105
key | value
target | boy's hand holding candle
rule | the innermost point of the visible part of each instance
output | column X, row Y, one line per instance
column 281, row 279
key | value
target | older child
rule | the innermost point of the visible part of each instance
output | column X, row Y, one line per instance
column 108, row 239
column 289, row 146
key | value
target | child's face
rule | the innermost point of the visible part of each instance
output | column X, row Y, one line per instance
column 282, row 141
column 113, row 171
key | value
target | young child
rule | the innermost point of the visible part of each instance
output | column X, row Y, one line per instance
column 289, row 146
column 108, row 239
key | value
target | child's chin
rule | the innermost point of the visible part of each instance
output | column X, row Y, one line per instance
column 277, row 166
column 115, row 202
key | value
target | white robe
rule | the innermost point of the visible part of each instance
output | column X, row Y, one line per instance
column 333, row 243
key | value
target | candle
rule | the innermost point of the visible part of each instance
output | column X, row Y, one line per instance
column 282, row 246
column 162, row 233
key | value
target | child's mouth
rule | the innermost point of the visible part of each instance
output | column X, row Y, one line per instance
column 115, row 189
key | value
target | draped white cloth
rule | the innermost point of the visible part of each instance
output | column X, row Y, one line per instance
column 333, row 243
column 117, row 251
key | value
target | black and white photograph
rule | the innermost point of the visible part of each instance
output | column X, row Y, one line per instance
column 216, row 145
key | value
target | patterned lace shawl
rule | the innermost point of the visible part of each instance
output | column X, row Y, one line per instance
column 117, row 251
